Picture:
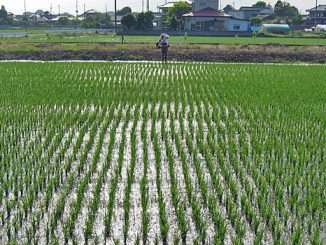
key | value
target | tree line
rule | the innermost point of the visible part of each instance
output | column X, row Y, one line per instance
column 283, row 12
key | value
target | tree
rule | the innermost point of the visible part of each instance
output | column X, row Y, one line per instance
column 97, row 21
column 145, row 21
column 179, row 9
column 164, row 22
column 297, row 20
column 284, row 9
column 3, row 15
column 62, row 21
column 129, row 21
column 260, row 4
column 66, row 14
column 174, row 23
column 256, row 21
column 76, row 22
column 124, row 11
column 278, row 20
column 176, row 12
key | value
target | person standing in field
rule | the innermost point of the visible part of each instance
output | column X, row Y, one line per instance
column 163, row 43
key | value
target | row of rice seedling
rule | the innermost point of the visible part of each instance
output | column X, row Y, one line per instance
column 144, row 153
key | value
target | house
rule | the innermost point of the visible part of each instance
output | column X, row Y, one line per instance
column 48, row 15
column 10, row 15
column 206, row 16
column 246, row 13
column 199, row 5
column 164, row 9
column 111, row 14
column 19, row 17
column 228, row 8
column 38, row 18
column 317, row 14
column 88, row 13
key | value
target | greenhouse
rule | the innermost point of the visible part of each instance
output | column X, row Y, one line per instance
column 320, row 28
column 276, row 28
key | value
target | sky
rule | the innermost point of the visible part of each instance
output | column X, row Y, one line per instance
column 17, row 6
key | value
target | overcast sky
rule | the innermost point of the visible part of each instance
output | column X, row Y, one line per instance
column 17, row 6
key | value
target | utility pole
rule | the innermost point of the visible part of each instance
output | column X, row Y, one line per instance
column 59, row 8
column 115, row 17
column 142, row 6
column 76, row 10
column 316, row 22
column 25, row 16
column 106, row 16
column 51, row 16
column 147, row 5
column 84, row 10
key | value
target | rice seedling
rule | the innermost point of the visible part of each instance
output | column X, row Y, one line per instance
column 123, row 153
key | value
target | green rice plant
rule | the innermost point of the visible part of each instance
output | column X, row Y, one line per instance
column 179, row 207
column 297, row 236
column 247, row 139
column 315, row 239
column 115, row 179
column 259, row 237
column 130, row 176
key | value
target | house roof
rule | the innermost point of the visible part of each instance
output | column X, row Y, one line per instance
column 93, row 11
column 319, row 8
column 263, row 16
column 228, row 8
column 243, row 8
column 207, row 12
column 167, row 5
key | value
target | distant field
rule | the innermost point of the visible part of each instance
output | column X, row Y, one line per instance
column 145, row 153
column 29, row 30
column 39, row 36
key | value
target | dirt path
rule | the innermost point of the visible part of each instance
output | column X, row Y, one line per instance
column 201, row 53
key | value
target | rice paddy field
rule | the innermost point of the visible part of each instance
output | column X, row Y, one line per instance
column 145, row 153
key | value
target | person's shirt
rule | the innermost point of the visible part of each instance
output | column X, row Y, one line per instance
column 164, row 42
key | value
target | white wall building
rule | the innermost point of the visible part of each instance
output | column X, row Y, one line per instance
column 199, row 5
column 206, row 16
column 247, row 13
